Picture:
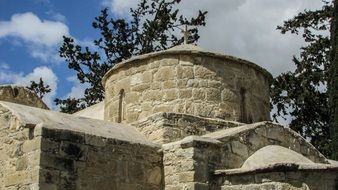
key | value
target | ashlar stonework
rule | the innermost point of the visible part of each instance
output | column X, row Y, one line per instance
column 180, row 119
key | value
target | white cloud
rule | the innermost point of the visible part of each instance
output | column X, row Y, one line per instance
column 77, row 91
column 4, row 66
column 120, row 7
column 57, row 16
column 247, row 29
column 243, row 28
column 30, row 28
column 47, row 75
column 42, row 37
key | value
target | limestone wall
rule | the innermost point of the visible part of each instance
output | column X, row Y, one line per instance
column 192, row 164
column 77, row 161
column 20, row 95
column 19, row 155
column 239, row 143
column 46, row 150
column 192, row 83
column 169, row 127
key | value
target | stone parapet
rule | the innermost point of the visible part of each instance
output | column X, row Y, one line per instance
column 169, row 127
column 20, row 95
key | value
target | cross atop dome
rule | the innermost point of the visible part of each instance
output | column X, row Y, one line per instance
column 186, row 34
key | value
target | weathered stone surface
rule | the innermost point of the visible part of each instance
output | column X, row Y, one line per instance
column 41, row 149
column 184, row 124
column 59, row 154
column 199, row 76
column 20, row 95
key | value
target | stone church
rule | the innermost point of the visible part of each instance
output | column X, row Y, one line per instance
column 180, row 119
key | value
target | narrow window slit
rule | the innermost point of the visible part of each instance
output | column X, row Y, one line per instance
column 120, row 111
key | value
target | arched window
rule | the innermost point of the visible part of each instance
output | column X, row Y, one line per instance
column 242, row 93
column 120, row 111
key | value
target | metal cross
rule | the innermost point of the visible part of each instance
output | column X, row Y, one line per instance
column 186, row 34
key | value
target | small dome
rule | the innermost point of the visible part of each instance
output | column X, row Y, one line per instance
column 274, row 154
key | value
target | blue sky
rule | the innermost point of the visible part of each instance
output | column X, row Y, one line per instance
column 31, row 32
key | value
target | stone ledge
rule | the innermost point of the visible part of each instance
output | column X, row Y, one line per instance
column 30, row 117
column 192, row 141
column 165, row 127
column 279, row 167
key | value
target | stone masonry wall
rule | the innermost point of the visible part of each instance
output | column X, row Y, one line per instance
column 195, row 84
column 169, row 127
column 19, row 156
column 20, row 95
column 189, row 163
column 239, row 144
column 71, row 160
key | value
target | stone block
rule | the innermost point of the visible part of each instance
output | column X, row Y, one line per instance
column 140, row 87
column 16, row 179
column 31, row 145
column 95, row 141
column 168, row 84
column 164, row 73
column 132, row 97
column 185, row 72
column 154, row 176
column 186, row 60
column 240, row 149
column 213, row 95
column 156, row 85
column 185, row 93
column 169, row 61
column 186, row 176
column 142, row 66
column 214, row 83
column 203, row 72
column 136, row 79
column 198, row 94
column 162, row 108
column 48, row 176
column 152, row 95
column 193, row 83
column 203, row 83
column 171, row 94
column 154, row 63
column 182, row 84
column 58, row 163
column 21, row 163
column 147, row 77
column 130, row 117
column 228, row 95
column 74, row 151
column 122, row 84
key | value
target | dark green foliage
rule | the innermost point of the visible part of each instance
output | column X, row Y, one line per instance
column 40, row 89
column 153, row 26
column 70, row 105
column 303, row 92
column 333, row 84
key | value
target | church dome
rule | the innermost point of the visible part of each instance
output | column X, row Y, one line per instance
column 187, row 79
column 274, row 154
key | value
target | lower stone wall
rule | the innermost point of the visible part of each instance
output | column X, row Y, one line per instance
column 296, row 180
column 71, row 160
column 19, row 156
column 188, row 164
